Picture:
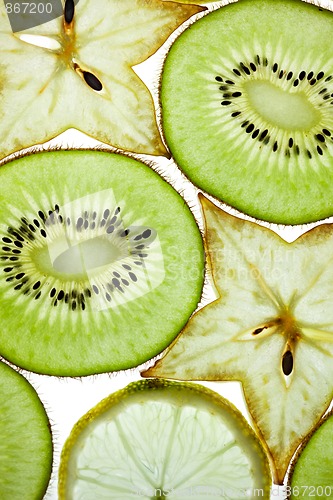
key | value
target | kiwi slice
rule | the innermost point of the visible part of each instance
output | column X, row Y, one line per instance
column 101, row 262
column 247, row 95
column 25, row 439
column 156, row 439
column 311, row 470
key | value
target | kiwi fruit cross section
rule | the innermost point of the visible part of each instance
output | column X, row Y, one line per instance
column 25, row 439
column 94, row 275
column 247, row 108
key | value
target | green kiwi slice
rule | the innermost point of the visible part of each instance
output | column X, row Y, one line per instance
column 101, row 262
column 247, row 100
column 156, row 439
column 311, row 471
column 25, row 439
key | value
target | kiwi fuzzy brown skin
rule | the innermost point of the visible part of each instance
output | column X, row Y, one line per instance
column 17, row 274
column 322, row 137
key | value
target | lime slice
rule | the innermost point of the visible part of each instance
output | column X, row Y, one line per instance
column 25, row 439
column 161, row 439
column 312, row 472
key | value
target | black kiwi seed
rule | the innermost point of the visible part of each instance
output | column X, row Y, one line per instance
column 320, row 138
column 302, row 75
column 92, row 81
column 146, row 233
column 236, row 72
column 245, row 68
column 236, row 113
column 218, row 79
column 326, row 132
column 320, row 151
column 263, row 135
column 275, row 146
column 291, row 142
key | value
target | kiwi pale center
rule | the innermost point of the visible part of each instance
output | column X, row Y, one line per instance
column 86, row 256
column 289, row 111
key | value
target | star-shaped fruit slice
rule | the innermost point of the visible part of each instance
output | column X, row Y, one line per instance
column 271, row 327
column 75, row 71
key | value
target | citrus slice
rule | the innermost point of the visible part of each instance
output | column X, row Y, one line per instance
column 312, row 470
column 25, row 439
column 160, row 439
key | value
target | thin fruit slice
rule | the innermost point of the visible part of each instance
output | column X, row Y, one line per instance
column 85, row 78
column 312, row 469
column 25, row 439
column 159, row 439
column 271, row 327
column 101, row 262
column 247, row 95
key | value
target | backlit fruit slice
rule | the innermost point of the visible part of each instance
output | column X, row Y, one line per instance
column 101, row 262
column 25, row 439
column 84, row 62
column 247, row 94
column 160, row 439
column 312, row 469
column 271, row 327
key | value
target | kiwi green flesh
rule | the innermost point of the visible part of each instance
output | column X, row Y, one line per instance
column 25, row 439
column 167, row 438
column 247, row 108
column 101, row 262
column 312, row 468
